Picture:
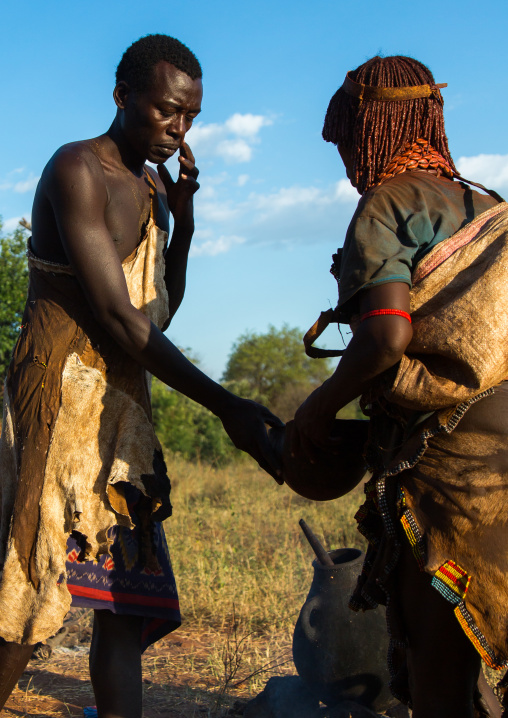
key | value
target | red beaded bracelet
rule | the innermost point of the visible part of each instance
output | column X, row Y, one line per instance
column 380, row 312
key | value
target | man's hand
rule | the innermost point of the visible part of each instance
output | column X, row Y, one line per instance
column 180, row 193
column 377, row 345
column 313, row 424
column 245, row 425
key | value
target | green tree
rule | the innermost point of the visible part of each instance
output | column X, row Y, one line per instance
column 14, row 286
column 188, row 429
column 272, row 368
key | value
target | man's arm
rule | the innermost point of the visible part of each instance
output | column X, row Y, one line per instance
column 77, row 191
column 179, row 198
column 176, row 257
column 378, row 344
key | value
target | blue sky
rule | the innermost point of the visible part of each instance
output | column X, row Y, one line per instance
column 274, row 201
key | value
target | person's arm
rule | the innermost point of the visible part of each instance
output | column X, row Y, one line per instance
column 180, row 203
column 378, row 343
column 78, row 194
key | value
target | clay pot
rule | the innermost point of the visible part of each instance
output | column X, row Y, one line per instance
column 335, row 472
column 342, row 655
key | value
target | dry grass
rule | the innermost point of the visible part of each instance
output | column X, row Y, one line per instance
column 243, row 569
column 235, row 541
column 243, row 566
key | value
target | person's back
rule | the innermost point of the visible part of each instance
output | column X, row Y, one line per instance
column 396, row 224
column 438, row 495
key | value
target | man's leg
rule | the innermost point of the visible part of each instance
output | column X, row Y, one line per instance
column 13, row 660
column 115, row 665
column 443, row 664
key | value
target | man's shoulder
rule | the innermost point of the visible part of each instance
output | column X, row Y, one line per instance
column 73, row 163
column 74, row 155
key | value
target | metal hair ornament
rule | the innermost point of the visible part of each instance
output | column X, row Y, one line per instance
column 369, row 93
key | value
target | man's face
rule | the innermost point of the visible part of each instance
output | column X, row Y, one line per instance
column 155, row 120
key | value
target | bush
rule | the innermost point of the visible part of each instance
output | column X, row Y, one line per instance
column 272, row 368
column 189, row 430
column 14, row 287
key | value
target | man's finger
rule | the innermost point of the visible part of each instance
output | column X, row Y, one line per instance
column 191, row 185
column 266, row 466
column 265, row 454
column 187, row 165
column 268, row 456
column 166, row 178
column 271, row 419
column 185, row 151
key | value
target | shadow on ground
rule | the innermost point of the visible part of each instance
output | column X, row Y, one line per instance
column 42, row 692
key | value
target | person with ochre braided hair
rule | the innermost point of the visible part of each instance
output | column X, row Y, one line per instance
column 435, row 514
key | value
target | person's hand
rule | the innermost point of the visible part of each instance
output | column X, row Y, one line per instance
column 180, row 193
column 245, row 423
column 313, row 425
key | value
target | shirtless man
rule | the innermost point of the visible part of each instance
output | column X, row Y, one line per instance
column 94, row 322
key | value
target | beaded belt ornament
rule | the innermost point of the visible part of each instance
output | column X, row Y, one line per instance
column 418, row 156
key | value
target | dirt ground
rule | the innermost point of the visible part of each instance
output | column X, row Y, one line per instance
column 183, row 677
column 192, row 673
column 60, row 685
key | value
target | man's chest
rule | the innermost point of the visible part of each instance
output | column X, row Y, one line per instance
column 132, row 203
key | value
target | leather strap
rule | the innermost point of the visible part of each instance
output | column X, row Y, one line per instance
column 324, row 319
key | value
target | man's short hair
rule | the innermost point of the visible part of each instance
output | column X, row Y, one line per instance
column 137, row 63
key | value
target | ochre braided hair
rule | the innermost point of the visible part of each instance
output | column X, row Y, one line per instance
column 374, row 132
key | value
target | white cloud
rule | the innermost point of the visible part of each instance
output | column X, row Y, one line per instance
column 216, row 211
column 285, row 216
column 345, row 192
column 9, row 225
column 217, row 179
column 287, row 197
column 234, row 150
column 489, row 170
column 27, row 185
column 208, row 185
column 21, row 186
column 303, row 198
column 216, row 246
column 201, row 135
column 207, row 191
column 232, row 140
column 242, row 180
column 246, row 125
column 202, row 233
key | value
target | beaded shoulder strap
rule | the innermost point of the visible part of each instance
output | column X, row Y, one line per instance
column 422, row 156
